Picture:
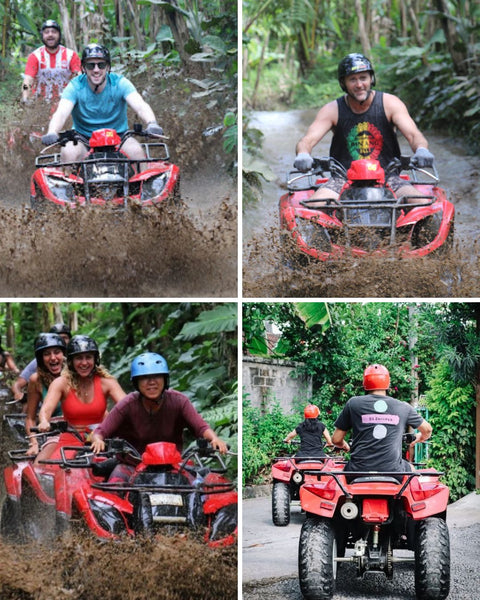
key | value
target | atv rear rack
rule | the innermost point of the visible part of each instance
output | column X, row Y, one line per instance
column 374, row 477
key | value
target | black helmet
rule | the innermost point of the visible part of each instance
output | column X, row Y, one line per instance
column 61, row 328
column 82, row 343
column 354, row 63
column 95, row 51
column 51, row 23
column 44, row 341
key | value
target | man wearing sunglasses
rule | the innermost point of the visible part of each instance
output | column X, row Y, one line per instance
column 99, row 99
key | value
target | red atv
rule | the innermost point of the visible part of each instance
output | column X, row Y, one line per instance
column 367, row 218
column 168, row 492
column 106, row 175
column 374, row 514
column 288, row 474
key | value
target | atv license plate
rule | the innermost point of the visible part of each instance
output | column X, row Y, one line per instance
column 166, row 500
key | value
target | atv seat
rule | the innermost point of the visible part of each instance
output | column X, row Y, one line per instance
column 376, row 479
column 311, row 459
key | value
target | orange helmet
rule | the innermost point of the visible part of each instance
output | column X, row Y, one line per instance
column 376, row 377
column 311, row 411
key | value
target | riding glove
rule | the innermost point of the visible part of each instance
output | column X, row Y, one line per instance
column 423, row 158
column 153, row 128
column 50, row 138
column 303, row 162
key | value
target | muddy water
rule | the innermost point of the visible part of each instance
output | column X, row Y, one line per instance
column 265, row 276
column 188, row 251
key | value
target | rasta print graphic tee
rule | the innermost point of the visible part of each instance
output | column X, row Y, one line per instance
column 378, row 423
column 365, row 135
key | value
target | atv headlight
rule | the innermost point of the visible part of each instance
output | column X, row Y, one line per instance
column 108, row 517
column 60, row 188
column 314, row 235
column 153, row 187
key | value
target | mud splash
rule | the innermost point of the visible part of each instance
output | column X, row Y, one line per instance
column 169, row 251
column 84, row 569
column 454, row 275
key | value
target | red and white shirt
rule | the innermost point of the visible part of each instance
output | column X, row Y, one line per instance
column 52, row 70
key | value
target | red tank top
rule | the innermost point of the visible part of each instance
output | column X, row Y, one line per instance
column 78, row 414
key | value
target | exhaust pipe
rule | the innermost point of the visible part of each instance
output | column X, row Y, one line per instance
column 349, row 510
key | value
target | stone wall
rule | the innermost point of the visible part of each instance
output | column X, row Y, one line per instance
column 269, row 380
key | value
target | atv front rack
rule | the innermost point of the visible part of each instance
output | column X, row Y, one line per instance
column 202, row 488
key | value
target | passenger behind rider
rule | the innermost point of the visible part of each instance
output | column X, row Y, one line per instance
column 83, row 390
column 378, row 423
column 99, row 99
column 363, row 123
column 7, row 363
column 153, row 413
column 310, row 431
column 18, row 387
column 50, row 67
column 50, row 351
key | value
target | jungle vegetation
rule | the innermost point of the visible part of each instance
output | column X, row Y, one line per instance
column 432, row 351
column 425, row 51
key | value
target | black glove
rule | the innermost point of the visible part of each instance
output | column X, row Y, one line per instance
column 303, row 162
column 50, row 138
column 423, row 158
column 153, row 128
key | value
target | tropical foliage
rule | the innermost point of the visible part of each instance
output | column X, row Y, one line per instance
column 431, row 350
column 199, row 341
column 428, row 53
column 152, row 37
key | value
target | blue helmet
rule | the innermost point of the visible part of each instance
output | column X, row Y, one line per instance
column 149, row 363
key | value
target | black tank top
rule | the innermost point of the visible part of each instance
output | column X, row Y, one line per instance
column 368, row 135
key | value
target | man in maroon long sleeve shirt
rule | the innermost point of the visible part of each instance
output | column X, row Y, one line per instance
column 154, row 413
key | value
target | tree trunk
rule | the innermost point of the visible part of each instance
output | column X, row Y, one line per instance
column 9, row 326
column 366, row 49
column 67, row 35
column 259, row 70
column 451, row 37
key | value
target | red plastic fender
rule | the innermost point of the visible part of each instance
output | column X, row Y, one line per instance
column 375, row 510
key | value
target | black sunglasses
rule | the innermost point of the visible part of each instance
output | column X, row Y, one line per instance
column 90, row 66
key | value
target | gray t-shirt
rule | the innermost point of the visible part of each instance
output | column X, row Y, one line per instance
column 29, row 370
column 378, row 423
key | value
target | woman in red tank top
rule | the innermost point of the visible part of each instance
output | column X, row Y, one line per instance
column 83, row 390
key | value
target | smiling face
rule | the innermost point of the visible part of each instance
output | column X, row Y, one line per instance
column 96, row 70
column 83, row 363
column 359, row 85
column 53, row 360
column 51, row 37
column 151, row 386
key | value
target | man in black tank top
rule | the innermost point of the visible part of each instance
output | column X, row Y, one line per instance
column 363, row 122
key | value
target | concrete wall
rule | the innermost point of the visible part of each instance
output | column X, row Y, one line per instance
column 267, row 380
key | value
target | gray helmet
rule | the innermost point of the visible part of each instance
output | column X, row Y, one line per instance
column 61, row 328
column 354, row 63
column 44, row 341
column 82, row 343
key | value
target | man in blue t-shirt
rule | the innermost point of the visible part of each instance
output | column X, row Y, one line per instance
column 99, row 99
column 378, row 423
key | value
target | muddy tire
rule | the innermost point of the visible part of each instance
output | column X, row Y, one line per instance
column 432, row 560
column 38, row 518
column 280, row 504
column 10, row 521
column 317, row 550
